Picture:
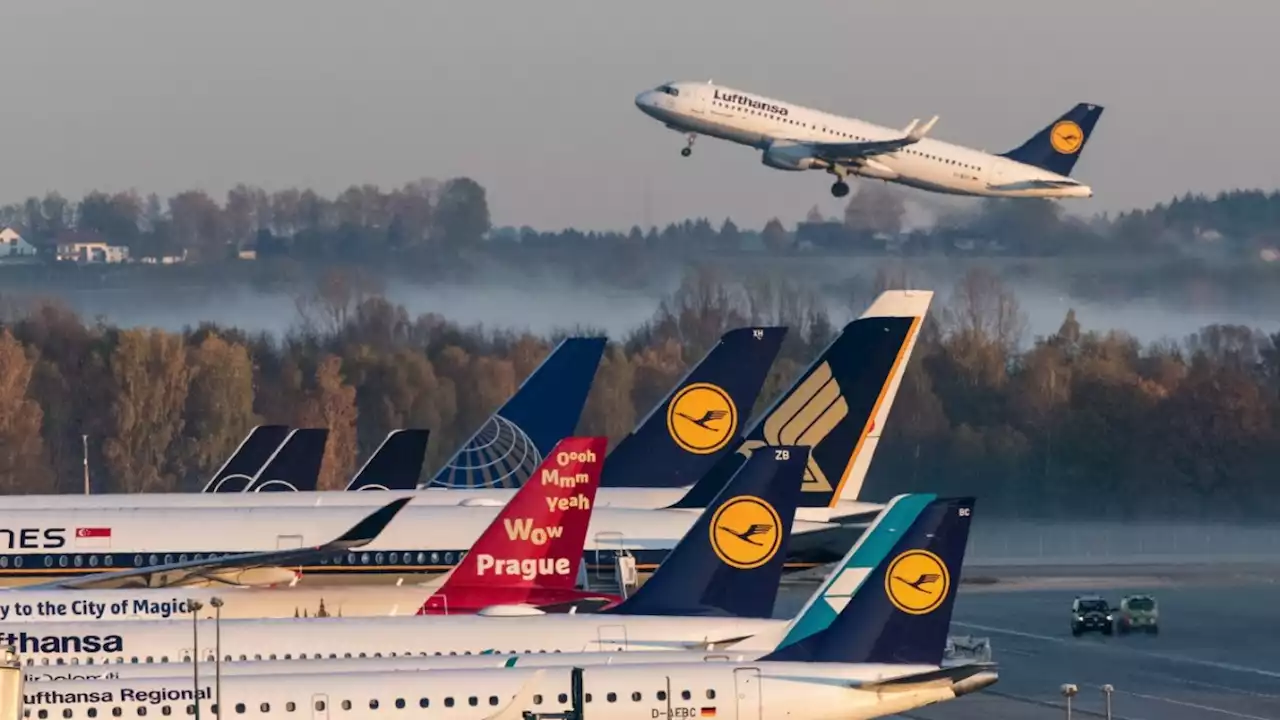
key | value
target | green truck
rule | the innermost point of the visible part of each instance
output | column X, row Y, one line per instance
column 1137, row 613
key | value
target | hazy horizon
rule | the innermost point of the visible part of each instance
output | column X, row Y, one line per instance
column 535, row 101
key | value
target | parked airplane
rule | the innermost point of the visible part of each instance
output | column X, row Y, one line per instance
column 793, row 137
column 530, row 553
column 881, row 654
column 506, row 629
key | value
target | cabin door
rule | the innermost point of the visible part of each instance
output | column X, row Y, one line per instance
column 613, row 638
column 746, row 682
column 319, row 707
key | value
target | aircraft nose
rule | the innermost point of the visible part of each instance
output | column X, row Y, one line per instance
column 644, row 99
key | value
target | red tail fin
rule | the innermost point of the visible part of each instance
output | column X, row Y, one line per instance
column 535, row 543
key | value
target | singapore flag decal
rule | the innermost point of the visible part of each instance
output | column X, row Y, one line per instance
column 93, row 537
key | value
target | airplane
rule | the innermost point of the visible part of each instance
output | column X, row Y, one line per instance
column 794, row 138
column 876, row 651
column 504, row 628
column 544, row 526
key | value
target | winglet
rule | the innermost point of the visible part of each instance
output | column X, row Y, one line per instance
column 916, row 132
column 365, row 531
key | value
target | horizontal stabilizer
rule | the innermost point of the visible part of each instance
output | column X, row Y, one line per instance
column 916, row 132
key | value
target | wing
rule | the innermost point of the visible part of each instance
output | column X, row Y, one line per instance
column 179, row 573
column 846, row 151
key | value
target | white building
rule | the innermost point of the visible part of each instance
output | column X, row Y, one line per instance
column 92, row 252
column 13, row 246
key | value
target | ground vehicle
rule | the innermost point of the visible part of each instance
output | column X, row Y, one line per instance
column 1090, row 612
column 1137, row 613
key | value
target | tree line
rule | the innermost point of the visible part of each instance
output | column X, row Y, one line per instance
column 431, row 223
column 1082, row 422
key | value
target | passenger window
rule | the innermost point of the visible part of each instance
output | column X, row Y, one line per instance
column 473, row 701
column 239, row 708
column 290, row 706
column 116, row 712
column 346, row 704
column 399, row 703
column 611, row 697
column 635, row 697
column 711, row 694
column 685, row 695
column 448, row 702
column 562, row 698
column 265, row 707
column 424, row 703
column 373, row 704
column 142, row 710
column 320, row 706
column 66, row 713
column 662, row 695
column 537, row 699
column 493, row 699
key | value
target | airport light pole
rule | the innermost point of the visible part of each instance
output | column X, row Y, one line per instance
column 1069, row 691
column 85, row 440
column 195, row 606
column 1106, row 693
column 216, row 602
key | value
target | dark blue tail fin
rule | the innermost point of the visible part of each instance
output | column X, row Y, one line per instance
column 396, row 464
column 838, row 405
column 730, row 562
column 295, row 466
column 694, row 426
column 544, row 411
column 900, row 611
column 1057, row 147
column 254, row 452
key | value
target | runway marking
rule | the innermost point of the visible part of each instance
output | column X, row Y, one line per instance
column 1215, row 686
column 1196, row 706
column 1159, row 656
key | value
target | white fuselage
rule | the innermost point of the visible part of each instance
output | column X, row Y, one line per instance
column 40, row 545
column 635, row 498
column 160, row 641
column 682, row 691
column 767, row 124
column 27, row 607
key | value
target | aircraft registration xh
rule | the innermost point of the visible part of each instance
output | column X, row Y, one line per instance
column 793, row 137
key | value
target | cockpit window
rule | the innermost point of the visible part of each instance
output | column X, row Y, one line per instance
column 669, row 90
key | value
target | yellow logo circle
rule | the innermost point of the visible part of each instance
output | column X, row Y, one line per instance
column 917, row 582
column 1066, row 137
column 702, row 418
column 745, row 532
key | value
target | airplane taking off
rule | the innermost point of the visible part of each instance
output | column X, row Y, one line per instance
column 792, row 137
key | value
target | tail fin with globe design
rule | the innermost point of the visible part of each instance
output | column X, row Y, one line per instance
column 504, row 452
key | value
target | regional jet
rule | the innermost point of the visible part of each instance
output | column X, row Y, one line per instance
column 792, row 137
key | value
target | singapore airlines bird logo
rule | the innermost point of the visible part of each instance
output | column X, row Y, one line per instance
column 749, row 533
column 705, row 420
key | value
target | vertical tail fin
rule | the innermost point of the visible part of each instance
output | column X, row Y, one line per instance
column 730, row 562
column 1057, row 147
column 535, row 543
column 545, row 409
column 253, row 452
column 698, row 421
column 837, row 406
column 396, row 464
column 295, row 466
column 897, row 611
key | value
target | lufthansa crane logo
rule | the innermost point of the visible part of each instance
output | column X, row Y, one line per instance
column 917, row 582
column 1066, row 137
column 746, row 532
column 702, row 418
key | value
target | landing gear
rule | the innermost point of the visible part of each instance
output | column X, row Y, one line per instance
column 840, row 188
column 688, row 149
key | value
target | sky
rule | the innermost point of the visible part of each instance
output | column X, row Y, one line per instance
column 535, row 100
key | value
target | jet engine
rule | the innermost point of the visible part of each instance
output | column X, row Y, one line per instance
column 787, row 155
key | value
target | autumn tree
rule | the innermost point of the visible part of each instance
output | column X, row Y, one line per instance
column 219, row 408
column 330, row 403
column 22, row 457
column 146, row 419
